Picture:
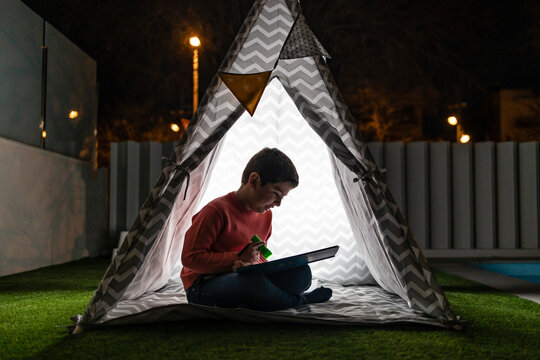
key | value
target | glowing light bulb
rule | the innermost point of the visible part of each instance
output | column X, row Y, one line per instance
column 452, row 120
column 175, row 127
column 44, row 134
column 73, row 114
column 464, row 138
column 194, row 41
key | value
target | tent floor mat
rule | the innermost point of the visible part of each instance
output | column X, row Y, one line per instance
column 349, row 305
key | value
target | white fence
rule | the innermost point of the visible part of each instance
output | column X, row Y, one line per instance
column 463, row 200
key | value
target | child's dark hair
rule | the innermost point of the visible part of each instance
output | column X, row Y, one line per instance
column 273, row 166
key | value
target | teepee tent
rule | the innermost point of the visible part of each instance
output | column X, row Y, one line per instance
column 274, row 89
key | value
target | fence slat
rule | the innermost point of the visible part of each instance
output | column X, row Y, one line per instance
column 462, row 196
column 132, row 182
column 117, row 190
column 144, row 170
column 507, row 196
column 417, row 185
column 529, row 185
column 440, row 192
column 454, row 196
column 377, row 151
column 167, row 150
column 485, row 199
column 114, row 204
column 155, row 164
column 394, row 160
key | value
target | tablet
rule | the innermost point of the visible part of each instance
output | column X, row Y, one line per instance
column 291, row 261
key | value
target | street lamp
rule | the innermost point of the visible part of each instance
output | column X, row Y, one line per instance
column 460, row 134
column 195, row 42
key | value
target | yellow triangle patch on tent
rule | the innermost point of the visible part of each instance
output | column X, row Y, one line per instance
column 247, row 88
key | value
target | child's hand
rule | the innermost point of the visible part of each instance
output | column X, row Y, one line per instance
column 239, row 263
column 250, row 253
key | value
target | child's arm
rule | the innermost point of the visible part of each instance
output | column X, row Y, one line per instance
column 197, row 253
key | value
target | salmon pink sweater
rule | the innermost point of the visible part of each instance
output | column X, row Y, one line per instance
column 218, row 232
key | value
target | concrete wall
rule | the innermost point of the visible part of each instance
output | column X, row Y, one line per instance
column 462, row 200
column 52, row 208
column 70, row 84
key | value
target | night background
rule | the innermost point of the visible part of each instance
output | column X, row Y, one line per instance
column 403, row 67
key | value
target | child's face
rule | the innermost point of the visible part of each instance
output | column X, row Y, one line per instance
column 266, row 197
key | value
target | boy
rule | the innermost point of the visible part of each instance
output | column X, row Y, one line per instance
column 218, row 242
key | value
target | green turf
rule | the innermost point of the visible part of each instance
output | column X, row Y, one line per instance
column 35, row 308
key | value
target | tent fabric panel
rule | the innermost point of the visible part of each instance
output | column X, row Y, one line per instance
column 409, row 280
column 201, row 140
column 156, row 205
column 304, row 85
column 349, row 305
column 224, row 110
column 313, row 216
column 209, row 124
column 366, row 230
column 422, row 289
column 349, row 130
column 304, row 222
column 261, row 49
column 167, row 248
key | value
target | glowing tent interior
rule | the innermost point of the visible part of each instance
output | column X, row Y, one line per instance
column 276, row 71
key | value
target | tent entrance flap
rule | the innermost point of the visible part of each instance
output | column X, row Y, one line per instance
column 312, row 216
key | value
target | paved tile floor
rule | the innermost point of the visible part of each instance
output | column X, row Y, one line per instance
column 525, row 289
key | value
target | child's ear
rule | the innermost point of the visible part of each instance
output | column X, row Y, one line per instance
column 254, row 180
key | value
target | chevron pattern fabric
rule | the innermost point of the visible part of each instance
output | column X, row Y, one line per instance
column 377, row 240
column 329, row 117
column 155, row 210
column 312, row 217
column 263, row 45
column 349, row 305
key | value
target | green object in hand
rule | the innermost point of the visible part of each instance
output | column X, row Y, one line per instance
column 263, row 249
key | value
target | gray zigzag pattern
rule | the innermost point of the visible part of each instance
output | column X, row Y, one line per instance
column 309, row 221
column 349, row 304
column 350, row 133
column 268, row 34
column 312, row 99
column 318, row 110
column 424, row 293
column 204, row 133
column 401, row 246
column 158, row 205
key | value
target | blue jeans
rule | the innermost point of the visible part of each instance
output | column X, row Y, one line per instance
column 252, row 290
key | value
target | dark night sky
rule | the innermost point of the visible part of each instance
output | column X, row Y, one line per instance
column 385, row 54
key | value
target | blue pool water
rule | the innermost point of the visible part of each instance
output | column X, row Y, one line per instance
column 529, row 271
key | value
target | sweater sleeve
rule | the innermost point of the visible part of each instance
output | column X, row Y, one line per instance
column 197, row 253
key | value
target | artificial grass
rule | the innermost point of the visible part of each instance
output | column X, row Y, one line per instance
column 35, row 308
